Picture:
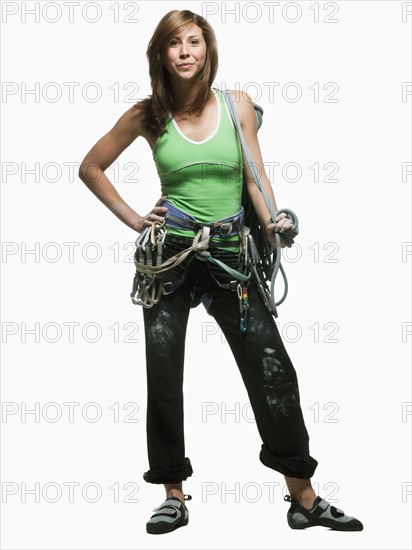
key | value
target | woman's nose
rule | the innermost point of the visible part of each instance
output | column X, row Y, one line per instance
column 184, row 50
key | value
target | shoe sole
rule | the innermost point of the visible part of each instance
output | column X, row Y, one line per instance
column 326, row 523
column 158, row 529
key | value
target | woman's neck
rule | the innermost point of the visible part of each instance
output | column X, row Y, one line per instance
column 183, row 94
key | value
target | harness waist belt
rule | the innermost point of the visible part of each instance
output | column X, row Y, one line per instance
column 179, row 219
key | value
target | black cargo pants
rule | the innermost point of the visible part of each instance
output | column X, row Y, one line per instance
column 266, row 369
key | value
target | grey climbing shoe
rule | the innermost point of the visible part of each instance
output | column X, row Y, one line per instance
column 322, row 513
column 170, row 515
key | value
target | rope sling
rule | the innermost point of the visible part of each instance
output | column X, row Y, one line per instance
column 148, row 287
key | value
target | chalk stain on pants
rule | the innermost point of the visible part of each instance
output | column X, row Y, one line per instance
column 278, row 392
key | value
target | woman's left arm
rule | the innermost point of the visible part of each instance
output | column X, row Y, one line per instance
column 247, row 118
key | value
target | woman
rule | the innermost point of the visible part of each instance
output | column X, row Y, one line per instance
column 201, row 165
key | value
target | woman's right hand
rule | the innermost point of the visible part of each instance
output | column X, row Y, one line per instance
column 157, row 214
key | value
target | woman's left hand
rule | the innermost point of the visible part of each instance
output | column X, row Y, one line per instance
column 281, row 224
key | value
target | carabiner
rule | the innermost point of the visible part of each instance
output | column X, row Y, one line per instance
column 153, row 299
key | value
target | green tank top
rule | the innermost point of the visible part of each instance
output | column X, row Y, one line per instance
column 202, row 178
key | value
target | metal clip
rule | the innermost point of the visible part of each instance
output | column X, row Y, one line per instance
column 239, row 295
column 226, row 228
column 154, row 297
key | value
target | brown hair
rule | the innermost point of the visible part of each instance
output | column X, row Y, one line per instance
column 161, row 102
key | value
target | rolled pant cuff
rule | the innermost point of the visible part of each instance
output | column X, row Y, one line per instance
column 292, row 467
column 172, row 475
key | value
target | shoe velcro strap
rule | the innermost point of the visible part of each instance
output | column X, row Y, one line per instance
column 320, row 508
column 170, row 503
column 167, row 511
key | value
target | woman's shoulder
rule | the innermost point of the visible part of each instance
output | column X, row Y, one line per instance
column 135, row 116
column 133, row 119
column 238, row 95
column 243, row 105
column 241, row 99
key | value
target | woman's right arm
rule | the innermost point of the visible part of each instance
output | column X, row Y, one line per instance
column 102, row 155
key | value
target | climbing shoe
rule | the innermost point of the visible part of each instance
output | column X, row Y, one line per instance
column 170, row 515
column 322, row 513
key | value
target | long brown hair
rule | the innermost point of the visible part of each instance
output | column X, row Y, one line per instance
column 161, row 102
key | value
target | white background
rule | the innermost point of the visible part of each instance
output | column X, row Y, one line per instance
column 355, row 392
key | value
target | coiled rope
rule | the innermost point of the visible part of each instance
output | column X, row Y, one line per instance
column 288, row 236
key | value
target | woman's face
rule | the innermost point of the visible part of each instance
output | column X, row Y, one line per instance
column 185, row 53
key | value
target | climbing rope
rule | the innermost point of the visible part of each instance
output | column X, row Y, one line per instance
column 273, row 260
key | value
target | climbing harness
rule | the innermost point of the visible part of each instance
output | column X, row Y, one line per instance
column 148, row 282
column 147, row 285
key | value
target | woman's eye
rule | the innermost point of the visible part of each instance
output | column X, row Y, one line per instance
column 174, row 42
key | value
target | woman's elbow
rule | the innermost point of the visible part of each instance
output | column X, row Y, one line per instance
column 89, row 171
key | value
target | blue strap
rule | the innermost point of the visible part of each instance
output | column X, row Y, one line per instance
column 178, row 219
